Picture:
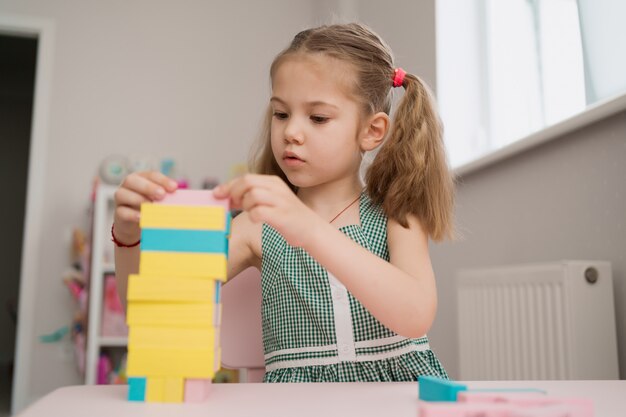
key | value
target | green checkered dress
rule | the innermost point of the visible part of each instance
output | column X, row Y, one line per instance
column 314, row 330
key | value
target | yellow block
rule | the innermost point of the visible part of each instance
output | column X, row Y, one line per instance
column 163, row 216
column 184, row 363
column 154, row 389
column 174, row 390
column 171, row 314
column 170, row 288
column 140, row 337
column 169, row 390
column 183, row 264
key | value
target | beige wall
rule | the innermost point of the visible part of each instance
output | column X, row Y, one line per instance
column 409, row 28
column 565, row 199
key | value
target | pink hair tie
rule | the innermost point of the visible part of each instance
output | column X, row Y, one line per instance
column 398, row 77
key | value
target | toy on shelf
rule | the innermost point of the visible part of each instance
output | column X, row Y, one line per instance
column 444, row 398
column 75, row 279
column 170, row 169
column 113, row 317
column 111, row 368
column 113, row 169
column 174, row 302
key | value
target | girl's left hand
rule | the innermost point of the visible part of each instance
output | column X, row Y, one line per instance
column 267, row 199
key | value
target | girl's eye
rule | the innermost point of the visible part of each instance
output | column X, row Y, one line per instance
column 319, row 119
column 280, row 115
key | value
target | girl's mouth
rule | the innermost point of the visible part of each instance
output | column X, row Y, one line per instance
column 292, row 159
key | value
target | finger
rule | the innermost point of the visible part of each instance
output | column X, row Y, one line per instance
column 125, row 216
column 161, row 179
column 128, row 197
column 260, row 214
column 241, row 186
column 257, row 196
column 277, row 184
column 222, row 190
column 140, row 184
column 236, row 189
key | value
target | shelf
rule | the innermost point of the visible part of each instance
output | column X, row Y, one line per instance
column 101, row 265
column 113, row 341
column 108, row 268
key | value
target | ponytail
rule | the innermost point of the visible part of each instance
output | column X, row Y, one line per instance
column 410, row 174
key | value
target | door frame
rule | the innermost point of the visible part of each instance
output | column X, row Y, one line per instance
column 43, row 30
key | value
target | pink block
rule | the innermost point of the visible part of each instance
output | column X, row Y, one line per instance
column 197, row 390
column 464, row 409
column 194, row 198
column 496, row 397
column 554, row 410
column 456, row 409
column 583, row 405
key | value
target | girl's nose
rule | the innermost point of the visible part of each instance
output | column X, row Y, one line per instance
column 293, row 132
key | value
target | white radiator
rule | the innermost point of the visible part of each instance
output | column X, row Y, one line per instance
column 541, row 321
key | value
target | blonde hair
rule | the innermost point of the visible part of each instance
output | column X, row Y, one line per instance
column 410, row 174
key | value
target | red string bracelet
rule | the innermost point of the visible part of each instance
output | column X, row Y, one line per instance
column 120, row 244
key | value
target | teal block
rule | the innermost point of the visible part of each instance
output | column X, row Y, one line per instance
column 229, row 219
column 136, row 389
column 438, row 389
column 179, row 240
column 218, row 292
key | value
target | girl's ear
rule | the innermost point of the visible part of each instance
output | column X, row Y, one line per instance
column 374, row 131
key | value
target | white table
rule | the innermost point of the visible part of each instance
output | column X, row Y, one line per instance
column 302, row 400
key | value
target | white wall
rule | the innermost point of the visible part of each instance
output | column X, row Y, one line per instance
column 160, row 78
column 409, row 29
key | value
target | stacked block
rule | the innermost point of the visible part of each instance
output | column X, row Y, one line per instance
column 437, row 389
column 174, row 308
column 443, row 398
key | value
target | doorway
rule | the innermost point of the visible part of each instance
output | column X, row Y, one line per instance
column 18, row 60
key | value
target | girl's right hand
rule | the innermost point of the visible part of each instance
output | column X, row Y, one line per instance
column 137, row 188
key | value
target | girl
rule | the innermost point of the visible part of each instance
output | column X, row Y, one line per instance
column 348, row 288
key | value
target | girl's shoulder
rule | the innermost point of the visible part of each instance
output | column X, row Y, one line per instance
column 372, row 216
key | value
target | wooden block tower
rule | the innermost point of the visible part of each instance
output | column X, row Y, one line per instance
column 174, row 304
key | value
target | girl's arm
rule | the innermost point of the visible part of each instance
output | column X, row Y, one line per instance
column 401, row 293
column 244, row 246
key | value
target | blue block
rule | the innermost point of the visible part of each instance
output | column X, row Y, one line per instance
column 438, row 389
column 218, row 294
column 178, row 240
column 229, row 218
column 137, row 389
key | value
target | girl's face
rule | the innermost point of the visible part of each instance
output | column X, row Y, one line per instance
column 315, row 124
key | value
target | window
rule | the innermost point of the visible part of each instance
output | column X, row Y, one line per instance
column 506, row 69
column 535, row 66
